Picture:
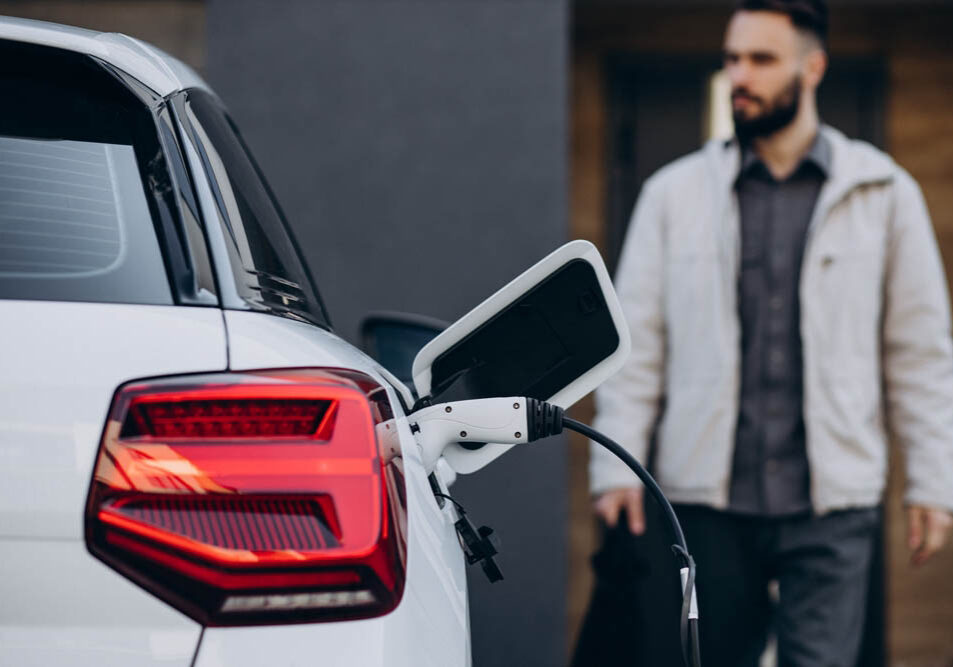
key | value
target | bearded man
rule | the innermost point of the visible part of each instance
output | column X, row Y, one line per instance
column 788, row 309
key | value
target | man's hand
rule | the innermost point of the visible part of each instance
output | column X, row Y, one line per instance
column 612, row 502
column 928, row 529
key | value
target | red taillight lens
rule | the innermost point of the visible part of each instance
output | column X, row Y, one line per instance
column 253, row 498
column 165, row 417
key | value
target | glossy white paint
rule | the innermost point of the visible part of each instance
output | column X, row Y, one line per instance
column 60, row 365
column 61, row 606
column 430, row 626
column 156, row 69
column 468, row 461
column 264, row 341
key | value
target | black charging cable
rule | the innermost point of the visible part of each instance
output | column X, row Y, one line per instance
column 544, row 419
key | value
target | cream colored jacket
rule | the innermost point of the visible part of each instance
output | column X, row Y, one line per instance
column 875, row 330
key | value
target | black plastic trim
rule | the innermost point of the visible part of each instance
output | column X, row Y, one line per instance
column 169, row 198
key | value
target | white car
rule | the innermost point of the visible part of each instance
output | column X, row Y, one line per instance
column 194, row 470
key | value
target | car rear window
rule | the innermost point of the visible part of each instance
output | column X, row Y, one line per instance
column 78, row 158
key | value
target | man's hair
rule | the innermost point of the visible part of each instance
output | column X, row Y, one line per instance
column 807, row 15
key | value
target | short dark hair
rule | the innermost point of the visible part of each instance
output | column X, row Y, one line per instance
column 808, row 15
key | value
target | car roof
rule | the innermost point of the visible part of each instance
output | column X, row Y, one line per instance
column 150, row 65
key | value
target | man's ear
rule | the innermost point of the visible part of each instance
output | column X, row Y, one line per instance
column 815, row 66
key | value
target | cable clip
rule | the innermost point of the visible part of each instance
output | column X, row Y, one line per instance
column 693, row 605
column 479, row 545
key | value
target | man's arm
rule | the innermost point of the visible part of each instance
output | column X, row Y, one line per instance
column 918, row 369
column 627, row 404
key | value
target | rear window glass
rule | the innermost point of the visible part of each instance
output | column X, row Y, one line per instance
column 75, row 217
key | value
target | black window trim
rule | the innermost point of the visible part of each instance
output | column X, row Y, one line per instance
column 284, row 221
column 199, row 252
column 166, row 200
column 177, row 105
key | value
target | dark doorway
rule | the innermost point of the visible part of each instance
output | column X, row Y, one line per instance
column 657, row 111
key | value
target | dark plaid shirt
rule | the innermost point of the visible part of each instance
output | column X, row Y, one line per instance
column 770, row 474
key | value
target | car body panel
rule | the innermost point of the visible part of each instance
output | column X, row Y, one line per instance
column 61, row 364
column 62, row 606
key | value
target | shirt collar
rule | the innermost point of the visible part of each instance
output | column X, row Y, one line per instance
column 819, row 154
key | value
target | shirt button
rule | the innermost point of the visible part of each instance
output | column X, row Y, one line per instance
column 771, row 466
column 777, row 357
column 776, row 302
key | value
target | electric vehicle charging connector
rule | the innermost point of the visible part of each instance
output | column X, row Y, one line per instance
column 519, row 420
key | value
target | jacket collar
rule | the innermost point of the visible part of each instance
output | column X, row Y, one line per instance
column 852, row 164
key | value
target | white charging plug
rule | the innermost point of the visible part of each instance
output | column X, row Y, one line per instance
column 496, row 420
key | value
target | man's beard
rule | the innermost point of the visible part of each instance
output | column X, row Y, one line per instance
column 775, row 117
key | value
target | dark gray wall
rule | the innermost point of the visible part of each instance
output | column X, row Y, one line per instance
column 420, row 151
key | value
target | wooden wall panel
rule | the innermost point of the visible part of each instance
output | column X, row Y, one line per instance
column 920, row 135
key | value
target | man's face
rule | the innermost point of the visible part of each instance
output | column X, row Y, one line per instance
column 765, row 57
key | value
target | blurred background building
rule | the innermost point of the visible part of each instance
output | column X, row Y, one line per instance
column 427, row 151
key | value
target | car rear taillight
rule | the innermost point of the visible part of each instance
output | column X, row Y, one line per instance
column 247, row 498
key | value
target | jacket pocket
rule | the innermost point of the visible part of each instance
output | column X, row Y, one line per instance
column 846, row 436
column 842, row 301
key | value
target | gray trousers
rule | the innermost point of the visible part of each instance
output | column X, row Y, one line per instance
column 821, row 565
